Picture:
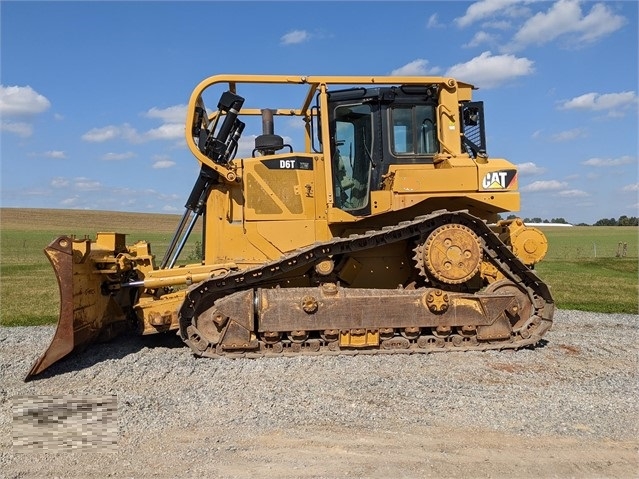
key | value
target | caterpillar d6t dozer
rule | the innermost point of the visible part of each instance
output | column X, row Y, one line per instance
column 377, row 233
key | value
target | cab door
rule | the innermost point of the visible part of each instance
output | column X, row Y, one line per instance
column 353, row 143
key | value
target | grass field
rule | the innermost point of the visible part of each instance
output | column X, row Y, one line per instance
column 581, row 266
column 28, row 288
column 584, row 272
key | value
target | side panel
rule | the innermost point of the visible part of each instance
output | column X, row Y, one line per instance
column 281, row 187
column 287, row 235
column 280, row 195
column 271, row 212
column 427, row 179
column 225, row 234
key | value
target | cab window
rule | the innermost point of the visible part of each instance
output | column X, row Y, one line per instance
column 413, row 131
column 352, row 159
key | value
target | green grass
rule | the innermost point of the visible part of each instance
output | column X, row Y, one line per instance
column 591, row 242
column 580, row 267
column 584, row 272
column 28, row 288
column 29, row 294
column 604, row 285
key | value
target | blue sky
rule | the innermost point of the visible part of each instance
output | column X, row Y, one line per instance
column 93, row 94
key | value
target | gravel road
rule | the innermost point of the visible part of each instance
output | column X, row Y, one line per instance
column 568, row 408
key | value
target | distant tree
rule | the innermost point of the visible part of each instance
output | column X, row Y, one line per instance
column 606, row 222
column 511, row 217
column 625, row 221
column 545, row 221
column 527, row 220
column 559, row 220
column 583, row 224
column 536, row 220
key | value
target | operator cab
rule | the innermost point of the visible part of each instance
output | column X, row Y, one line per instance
column 373, row 128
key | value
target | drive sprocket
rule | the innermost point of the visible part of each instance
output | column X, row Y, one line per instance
column 451, row 254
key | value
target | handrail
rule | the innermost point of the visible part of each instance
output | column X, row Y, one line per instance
column 315, row 83
column 440, row 134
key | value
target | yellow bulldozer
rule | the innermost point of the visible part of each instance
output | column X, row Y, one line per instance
column 381, row 234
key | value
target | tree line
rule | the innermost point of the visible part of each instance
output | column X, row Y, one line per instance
column 623, row 220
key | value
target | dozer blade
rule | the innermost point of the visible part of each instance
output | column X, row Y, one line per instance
column 86, row 315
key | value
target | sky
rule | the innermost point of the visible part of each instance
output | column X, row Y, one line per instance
column 93, row 94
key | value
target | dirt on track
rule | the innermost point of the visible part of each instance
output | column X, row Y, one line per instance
column 565, row 409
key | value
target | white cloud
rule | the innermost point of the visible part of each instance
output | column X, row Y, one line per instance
column 21, row 100
column 74, row 200
column 60, row 155
column 295, row 36
column 111, row 132
column 245, row 146
column 118, row 156
column 161, row 164
column 59, row 182
column 86, row 184
column 480, row 38
column 569, row 135
column 544, row 185
column 607, row 162
column 168, row 131
column 529, row 168
column 489, row 70
column 599, row 101
column 167, row 197
column 101, row 134
column 485, row 9
column 173, row 128
column 433, row 21
column 171, row 114
column 19, row 128
column 573, row 194
column 632, row 187
column 560, row 18
column 498, row 25
column 35, row 192
column 599, row 23
column 87, row 193
column 564, row 17
column 295, row 123
column 417, row 67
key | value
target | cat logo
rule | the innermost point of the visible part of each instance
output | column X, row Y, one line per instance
column 499, row 180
